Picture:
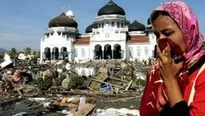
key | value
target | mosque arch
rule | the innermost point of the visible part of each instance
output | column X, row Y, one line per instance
column 64, row 53
column 55, row 53
column 117, row 51
column 98, row 52
column 47, row 53
column 107, row 52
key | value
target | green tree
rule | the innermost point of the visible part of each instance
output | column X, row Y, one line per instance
column 27, row 51
column 13, row 53
column 36, row 54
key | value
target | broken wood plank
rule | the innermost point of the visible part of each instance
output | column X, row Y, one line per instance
column 102, row 75
column 129, row 84
column 118, row 79
column 9, row 100
column 15, row 88
column 121, row 99
column 36, row 106
column 85, row 109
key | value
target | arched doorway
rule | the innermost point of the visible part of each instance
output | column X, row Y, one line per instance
column 117, row 51
column 107, row 52
column 98, row 52
column 64, row 53
column 47, row 53
column 55, row 53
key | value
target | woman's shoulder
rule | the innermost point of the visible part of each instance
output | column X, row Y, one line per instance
column 199, row 77
column 195, row 68
column 201, row 72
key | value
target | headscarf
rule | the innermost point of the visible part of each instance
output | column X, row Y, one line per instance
column 188, row 23
column 154, row 97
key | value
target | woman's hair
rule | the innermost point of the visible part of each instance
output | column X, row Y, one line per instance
column 157, row 13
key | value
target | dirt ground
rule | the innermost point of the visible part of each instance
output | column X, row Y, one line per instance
column 101, row 103
column 118, row 102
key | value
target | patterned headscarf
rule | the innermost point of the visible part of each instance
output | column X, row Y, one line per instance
column 188, row 23
column 154, row 97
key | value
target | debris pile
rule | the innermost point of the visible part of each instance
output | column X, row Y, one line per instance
column 64, row 90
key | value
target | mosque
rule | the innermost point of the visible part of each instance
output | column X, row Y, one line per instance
column 110, row 36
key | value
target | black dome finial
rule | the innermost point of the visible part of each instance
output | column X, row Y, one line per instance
column 111, row 8
column 62, row 21
column 110, row 2
column 136, row 26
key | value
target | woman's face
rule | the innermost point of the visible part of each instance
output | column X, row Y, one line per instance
column 165, row 27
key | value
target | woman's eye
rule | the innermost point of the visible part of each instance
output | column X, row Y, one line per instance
column 168, row 33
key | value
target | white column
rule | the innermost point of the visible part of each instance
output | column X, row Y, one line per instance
column 41, row 51
column 92, row 54
column 41, row 57
column 102, row 52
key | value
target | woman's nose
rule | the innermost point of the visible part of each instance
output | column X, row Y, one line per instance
column 162, row 36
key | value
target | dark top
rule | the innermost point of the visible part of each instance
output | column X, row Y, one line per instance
column 179, row 109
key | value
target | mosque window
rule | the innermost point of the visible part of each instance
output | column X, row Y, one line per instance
column 83, row 72
column 59, row 33
column 76, row 52
column 138, row 51
column 118, row 24
column 130, row 52
column 47, row 35
column 99, row 25
column 113, row 24
column 107, row 24
column 64, row 35
column 122, row 24
column 146, row 50
column 82, row 52
column 52, row 33
column 102, row 25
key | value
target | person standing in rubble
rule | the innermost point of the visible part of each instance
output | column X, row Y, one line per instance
column 175, row 83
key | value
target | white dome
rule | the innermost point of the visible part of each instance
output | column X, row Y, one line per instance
column 70, row 13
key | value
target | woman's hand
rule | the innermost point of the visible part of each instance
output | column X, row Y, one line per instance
column 169, row 71
column 168, row 68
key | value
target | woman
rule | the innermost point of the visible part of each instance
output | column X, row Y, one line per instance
column 176, row 82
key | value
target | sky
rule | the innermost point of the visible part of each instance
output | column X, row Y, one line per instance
column 24, row 22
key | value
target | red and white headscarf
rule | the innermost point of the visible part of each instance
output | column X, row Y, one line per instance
column 188, row 23
column 154, row 96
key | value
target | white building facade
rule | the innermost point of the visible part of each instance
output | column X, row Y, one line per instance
column 110, row 36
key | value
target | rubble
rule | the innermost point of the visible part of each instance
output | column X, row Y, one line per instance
column 56, row 88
